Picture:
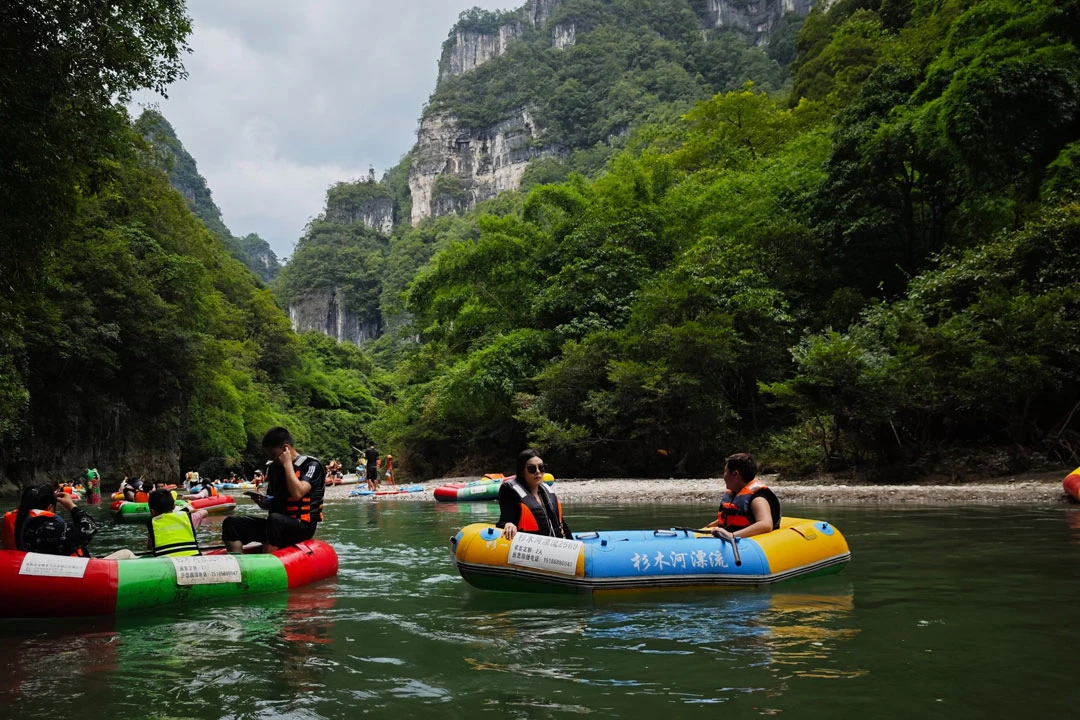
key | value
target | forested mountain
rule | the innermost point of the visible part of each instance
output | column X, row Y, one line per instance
column 130, row 338
column 525, row 97
column 877, row 270
column 180, row 166
column 565, row 81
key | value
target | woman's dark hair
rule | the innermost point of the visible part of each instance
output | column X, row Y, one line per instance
column 523, row 459
column 35, row 497
column 161, row 502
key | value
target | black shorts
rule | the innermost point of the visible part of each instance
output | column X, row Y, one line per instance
column 372, row 472
column 277, row 530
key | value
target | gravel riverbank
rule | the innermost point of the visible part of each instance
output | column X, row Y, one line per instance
column 1040, row 489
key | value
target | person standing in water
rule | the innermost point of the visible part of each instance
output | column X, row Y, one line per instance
column 527, row 505
column 371, row 456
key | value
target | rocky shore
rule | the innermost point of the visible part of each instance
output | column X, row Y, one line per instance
column 1043, row 488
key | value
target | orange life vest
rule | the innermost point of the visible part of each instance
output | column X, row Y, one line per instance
column 79, row 552
column 7, row 530
column 533, row 511
column 735, row 513
column 142, row 497
column 304, row 509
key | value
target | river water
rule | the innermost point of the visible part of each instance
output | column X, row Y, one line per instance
column 942, row 612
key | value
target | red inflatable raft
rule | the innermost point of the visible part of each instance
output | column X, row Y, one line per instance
column 36, row 585
column 1072, row 484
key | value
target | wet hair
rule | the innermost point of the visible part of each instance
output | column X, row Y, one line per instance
column 277, row 437
column 35, row 497
column 148, row 486
column 161, row 502
column 522, row 460
column 742, row 463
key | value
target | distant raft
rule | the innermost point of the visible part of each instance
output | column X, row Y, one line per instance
column 38, row 585
column 125, row 511
column 596, row 562
column 400, row 490
column 349, row 479
column 1072, row 484
column 236, row 486
column 484, row 489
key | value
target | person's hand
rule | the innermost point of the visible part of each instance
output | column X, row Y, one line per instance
column 285, row 458
column 718, row 532
column 509, row 531
column 65, row 500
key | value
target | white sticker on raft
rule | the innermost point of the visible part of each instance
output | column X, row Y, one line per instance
column 53, row 565
column 204, row 570
column 545, row 553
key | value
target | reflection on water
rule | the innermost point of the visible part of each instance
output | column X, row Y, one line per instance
column 933, row 601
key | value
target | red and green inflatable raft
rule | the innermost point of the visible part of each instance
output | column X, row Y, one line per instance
column 36, row 585
column 487, row 488
column 125, row 511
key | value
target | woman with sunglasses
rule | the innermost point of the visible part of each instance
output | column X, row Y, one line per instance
column 527, row 505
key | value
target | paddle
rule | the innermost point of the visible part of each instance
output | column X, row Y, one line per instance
column 734, row 545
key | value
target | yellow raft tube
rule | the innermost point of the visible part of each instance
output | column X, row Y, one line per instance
column 645, row 559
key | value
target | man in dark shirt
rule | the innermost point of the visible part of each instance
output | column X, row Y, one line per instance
column 371, row 455
column 295, row 486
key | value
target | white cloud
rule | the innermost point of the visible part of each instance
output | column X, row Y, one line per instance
column 286, row 97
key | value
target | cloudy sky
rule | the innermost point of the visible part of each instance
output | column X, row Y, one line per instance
column 285, row 97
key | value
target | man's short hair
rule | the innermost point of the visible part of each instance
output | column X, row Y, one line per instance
column 161, row 502
column 742, row 463
column 277, row 437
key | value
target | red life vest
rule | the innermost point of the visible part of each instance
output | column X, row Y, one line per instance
column 735, row 513
column 7, row 530
column 532, row 511
column 80, row 552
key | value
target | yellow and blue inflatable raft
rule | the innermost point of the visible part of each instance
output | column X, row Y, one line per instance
column 645, row 559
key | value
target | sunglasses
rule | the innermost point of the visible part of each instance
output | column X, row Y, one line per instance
column 535, row 468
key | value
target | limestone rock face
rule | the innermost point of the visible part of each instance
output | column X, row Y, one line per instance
column 472, row 49
column 477, row 163
column 540, row 10
column 323, row 311
column 376, row 213
column 755, row 18
column 469, row 48
column 563, row 35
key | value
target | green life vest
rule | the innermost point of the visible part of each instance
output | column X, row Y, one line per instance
column 173, row 534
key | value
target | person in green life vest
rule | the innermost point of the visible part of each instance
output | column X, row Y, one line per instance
column 93, row 486
column 171, row 531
